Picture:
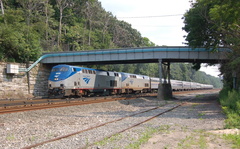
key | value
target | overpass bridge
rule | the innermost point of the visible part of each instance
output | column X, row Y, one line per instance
column 161, row 55
column 136, row 55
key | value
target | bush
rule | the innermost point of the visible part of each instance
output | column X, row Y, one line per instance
column 230, row 101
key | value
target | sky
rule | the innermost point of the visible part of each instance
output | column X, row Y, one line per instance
column 158, row 20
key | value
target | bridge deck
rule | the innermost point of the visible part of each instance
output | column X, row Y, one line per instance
column 134, row 55
column 137, row 55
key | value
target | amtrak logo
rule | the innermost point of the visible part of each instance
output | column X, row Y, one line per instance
column 86, row 80
column 131, row 81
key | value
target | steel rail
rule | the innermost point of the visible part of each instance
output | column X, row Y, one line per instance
column 7, row 103
column 50, row 104
column 29, row 105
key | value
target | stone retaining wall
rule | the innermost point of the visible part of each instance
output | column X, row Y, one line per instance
column 22, row 85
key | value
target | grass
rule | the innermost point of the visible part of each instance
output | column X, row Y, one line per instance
column 230, row 102
column 10, row 137
column 201, row 115
column 146, row 135
column 234, row 138
column 33, row 138
column 109, row 140
column 199, row 96
column 193, row 106
column 196, row 140
column 184, row 128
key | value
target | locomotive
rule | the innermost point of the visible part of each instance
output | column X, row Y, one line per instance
column 67, row 80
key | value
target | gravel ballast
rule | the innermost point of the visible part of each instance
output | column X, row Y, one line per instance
column 203, row 113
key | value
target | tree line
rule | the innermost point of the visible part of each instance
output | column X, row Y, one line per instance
column 30, row 27
column 214, row 24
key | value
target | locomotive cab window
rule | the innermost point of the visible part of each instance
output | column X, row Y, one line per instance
column 116, row 74
column 133, row 76
column 84, row 71
column 64, row 69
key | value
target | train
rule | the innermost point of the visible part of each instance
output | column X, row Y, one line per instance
column 66, row 80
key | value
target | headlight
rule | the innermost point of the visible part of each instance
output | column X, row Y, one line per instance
column 55, row 79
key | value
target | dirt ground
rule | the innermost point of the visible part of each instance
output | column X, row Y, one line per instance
column 202, row 127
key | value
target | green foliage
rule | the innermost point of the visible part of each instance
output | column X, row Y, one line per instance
column 235, row 138
column 29, row 28
column 213, row 24
column 185, row 72
column 19, row 43
column 230, row 101
column 146, row 135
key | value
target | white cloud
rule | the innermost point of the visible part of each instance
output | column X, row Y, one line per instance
column 211, row 70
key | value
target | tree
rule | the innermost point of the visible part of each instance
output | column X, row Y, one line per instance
column 62, row 5
column 2, row 8
column 201, row 32
column 213, row 24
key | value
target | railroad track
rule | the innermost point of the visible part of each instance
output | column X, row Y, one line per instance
column 29, row 105
column 12, row 106
column 155, row 112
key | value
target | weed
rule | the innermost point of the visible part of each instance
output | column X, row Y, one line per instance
column 195, row 104
column 109, row 140
column 49, row 135
column 202, row 142
column 184, row 128
column 195, row 139
column 235, row 138
column 185, row 143
column 230, row 101
column 146, row 135
column 10, row 137
column 199, row 96
column 201, row 114
column 33, row 138
column 165, row 147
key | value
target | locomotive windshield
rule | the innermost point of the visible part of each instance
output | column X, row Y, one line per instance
column 64, row 69
column 60, row 69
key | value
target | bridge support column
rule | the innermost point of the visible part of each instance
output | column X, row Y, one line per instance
column 164, row 87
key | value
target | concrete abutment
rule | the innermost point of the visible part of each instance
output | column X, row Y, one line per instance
column 22, row 84
column 164, row 87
